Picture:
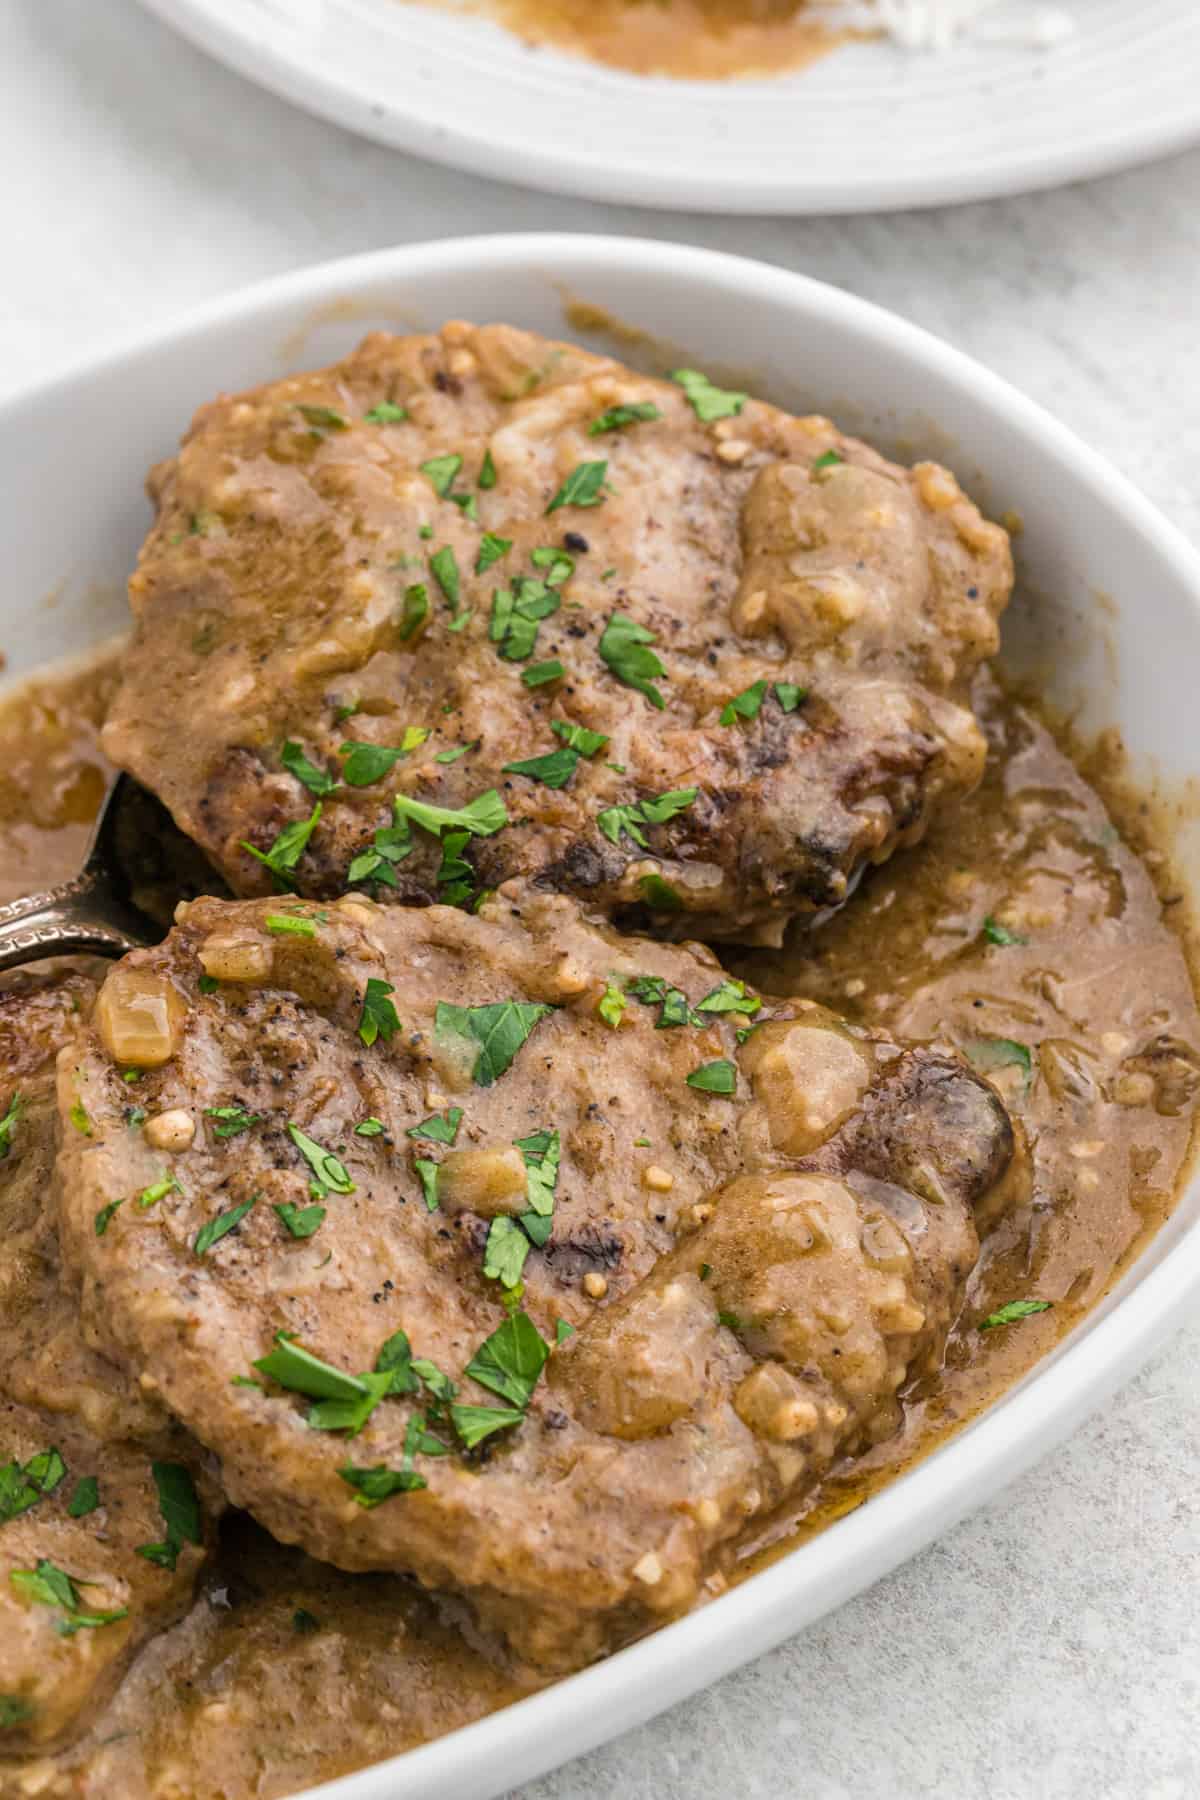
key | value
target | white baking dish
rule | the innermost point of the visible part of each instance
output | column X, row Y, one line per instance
column 1110, row 615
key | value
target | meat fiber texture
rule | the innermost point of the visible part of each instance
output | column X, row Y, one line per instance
column 600, row 1258
column 483, row 542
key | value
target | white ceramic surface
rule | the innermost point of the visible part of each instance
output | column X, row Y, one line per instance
column 1133, row 658
column 869, row 127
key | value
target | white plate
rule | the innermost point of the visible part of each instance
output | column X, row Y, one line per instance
column 868, row 128
column 1132, row 659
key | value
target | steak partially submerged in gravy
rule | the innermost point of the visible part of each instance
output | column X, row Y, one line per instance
column 594, row 1276
column 79, row 1445
column 483, row 542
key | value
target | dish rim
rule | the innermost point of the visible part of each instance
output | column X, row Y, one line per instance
column 575, row 1714
column 318, row 90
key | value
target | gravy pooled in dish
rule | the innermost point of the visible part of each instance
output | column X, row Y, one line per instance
column 565, row 1272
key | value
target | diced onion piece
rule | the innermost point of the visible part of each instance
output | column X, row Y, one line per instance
column 139, row 1017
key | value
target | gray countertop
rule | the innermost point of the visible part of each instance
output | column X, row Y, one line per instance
column 1051, row 1645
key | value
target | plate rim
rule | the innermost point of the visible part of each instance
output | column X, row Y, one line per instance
column 318, row 91
column 572, row 1716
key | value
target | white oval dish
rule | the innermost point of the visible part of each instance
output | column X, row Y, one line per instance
column 870, row 127
column 1119, row 600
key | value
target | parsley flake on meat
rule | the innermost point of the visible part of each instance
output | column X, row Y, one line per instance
column 220, row 1227
column 729, row 997
column 413, row 612
column 487, row 471
column 379, row 1018
column 9, row 1123
column 553, row 770
column 707, row 401
column 323, row 418
column 22, row 1487
column 578, row 737
column 437, row 1129
column 442, row 472
column 505, row 1252
column 1016, row 1309
column 499, row 1030
column 719, row 1077
column 389, row 846
column 232, row 1120
column 85, row 1499
column 516, row 613
column 482, row 817
column 537, row 674
column 634, row 412
column 828, row 459
column 617, row 819
column 300, row 1221
column 427, row 1172
column 491, row 549
column 611, row 1005
column 51, row 1586
column 386, row 413
column 368, row 763
column 999, row 934
column 511, row 1360
column 329, row 1172
column 288, row 847
column 582, row 486
column 623, row 646
column 316, row 780
column 179, row 1504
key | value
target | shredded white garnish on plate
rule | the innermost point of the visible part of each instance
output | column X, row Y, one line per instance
column 939, row 24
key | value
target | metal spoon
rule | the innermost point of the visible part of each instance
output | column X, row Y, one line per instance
column 94, row 913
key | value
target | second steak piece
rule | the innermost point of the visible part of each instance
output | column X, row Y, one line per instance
column 509, row 1251
column 477, row 605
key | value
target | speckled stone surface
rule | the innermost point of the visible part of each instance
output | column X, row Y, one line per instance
column 1050, row 1647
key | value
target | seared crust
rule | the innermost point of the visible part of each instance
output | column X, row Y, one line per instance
column 270, row 597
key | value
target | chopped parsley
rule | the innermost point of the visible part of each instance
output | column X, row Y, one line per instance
column 1016, row 1309
column 208, row 984
column 578, row 737
column 729, row 997
column 505, row 1252
column 658, row 894
column 288, row 847
column 386, row 413
column 996, row 933
column 582, row 486
column 427, row 1174
column 22, row 1487
column 635, row 412
column 323, row 418
column 748, row 704
column 455, row 876
column 233, row 1120
column 79, row 1119
column 537, row 674
column 487, row 471
column 343, row 1402
column 623, row 646
column 452, row 756
column 707, row 401
column 9, row 1123
column 491, row 549
column 300, row 1221
column 499, row 1030
column 516, row 613
column 220, row 1227
column 51, row 1586
column 511, row 1360
column 379, row 1018
column 828, row 459
column 179, row 1504
column 389, row 846
column 553, row 770
column 158, row 1190
column 437, row 1129
column 617, row 819
column 558, row 565
column 654, row 990
column 367, row 763
column 317, row 781
column 104, row 1217
column 373, row 1486
column 14, row 1711
column 482, row 817
column 329, row 1172
column 305, row 1622
column 562, row 1331
column 611, row 1005
column 290, row 925
column 443, row 566
column 719, row 1077
column 414, row 610
column 475, row 1423
column 370, row 1128
column 349, row 1415
column 1000, row 1053
column 442, row 471
column 85, row 1499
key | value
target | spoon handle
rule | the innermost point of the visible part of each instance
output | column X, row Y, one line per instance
column 76, row 918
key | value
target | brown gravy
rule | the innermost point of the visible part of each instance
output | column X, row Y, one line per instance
column 286, row 1673
column 697, row 40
